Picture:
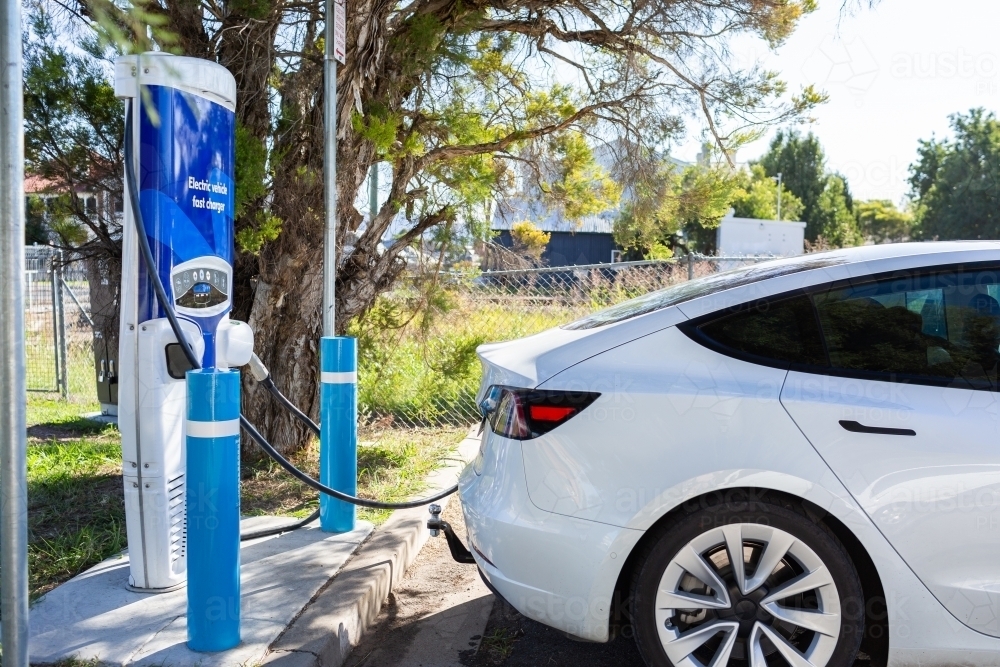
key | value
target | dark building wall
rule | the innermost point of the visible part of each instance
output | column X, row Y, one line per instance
column 566, row 249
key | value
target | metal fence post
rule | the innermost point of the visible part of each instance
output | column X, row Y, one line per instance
column 59, row 307
column 690, row 258
column 53, row 289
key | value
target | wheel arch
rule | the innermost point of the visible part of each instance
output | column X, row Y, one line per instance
column 875, row 643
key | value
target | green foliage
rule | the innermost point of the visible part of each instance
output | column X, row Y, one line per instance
column 252, row 237
column 583, row 187
column 34, row 221
column 802, row 165
column 956, row 181
column 833, row 219
column 529, row 239
column 255, row 226
column 757, row 197
column 659, row 251
column 135, row 27
column 379, row 126
column 73, row 126
column 699, row 196
column 881, row 222
column 251, row 169
column 252, row 9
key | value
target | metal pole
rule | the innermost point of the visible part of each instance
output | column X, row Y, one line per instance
column 83, row 311
column 54, row 281
column 330, row 176
column 63, row 343
column 13, row 395
column 779, row 196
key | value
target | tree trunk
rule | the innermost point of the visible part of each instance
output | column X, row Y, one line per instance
column 285, row 317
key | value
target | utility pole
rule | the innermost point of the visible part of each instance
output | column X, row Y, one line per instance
column 13, row 393
column 779, row 196
column 334, row 53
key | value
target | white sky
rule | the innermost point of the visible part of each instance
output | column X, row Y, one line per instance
column 893, row 73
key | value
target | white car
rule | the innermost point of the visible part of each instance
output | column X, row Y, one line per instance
column 786, row 463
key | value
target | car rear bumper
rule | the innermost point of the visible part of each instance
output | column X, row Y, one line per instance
column 558, row 570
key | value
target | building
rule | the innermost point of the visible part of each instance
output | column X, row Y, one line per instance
column 741, row 237
column 587, row 241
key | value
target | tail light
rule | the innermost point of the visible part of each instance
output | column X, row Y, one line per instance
column 523, row 414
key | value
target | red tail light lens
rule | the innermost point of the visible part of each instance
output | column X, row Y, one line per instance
column 523, row 414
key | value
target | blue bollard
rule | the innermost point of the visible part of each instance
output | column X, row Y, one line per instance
column 338, row 445
column 213, row 509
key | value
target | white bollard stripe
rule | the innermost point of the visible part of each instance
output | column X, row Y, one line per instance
column 212, row 429
column 346, row 377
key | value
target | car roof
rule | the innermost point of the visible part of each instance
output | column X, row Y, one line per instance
column 803, row 271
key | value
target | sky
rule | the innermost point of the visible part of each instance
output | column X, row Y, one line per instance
column 893, row 73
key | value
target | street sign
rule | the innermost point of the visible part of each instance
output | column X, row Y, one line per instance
column 339, row 31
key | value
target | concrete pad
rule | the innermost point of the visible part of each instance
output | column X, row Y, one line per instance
column 94, row 616
column 100, row 418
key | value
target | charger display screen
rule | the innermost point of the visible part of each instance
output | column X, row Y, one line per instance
column 200, row 287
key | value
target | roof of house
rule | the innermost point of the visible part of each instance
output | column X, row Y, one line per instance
column 34, row 185
column 549, row 221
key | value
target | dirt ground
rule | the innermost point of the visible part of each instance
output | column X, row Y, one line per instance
column 435, row 617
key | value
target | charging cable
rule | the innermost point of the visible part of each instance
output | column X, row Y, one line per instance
column 256, row 367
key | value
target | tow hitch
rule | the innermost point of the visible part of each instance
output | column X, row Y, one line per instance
column 436, row 524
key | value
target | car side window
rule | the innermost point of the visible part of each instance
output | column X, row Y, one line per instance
column 943, row 327
column 781, row 332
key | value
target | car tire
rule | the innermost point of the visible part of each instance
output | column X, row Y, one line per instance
column 736, row 615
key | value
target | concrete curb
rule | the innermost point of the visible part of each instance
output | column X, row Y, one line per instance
column 333, row 622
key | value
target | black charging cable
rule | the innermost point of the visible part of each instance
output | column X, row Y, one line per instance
column 251, row 430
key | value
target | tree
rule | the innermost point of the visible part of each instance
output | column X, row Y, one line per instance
column 802, row 165
column 34, row 221
column 833, row 220
column 529, row 240
column 695, row 198
column 955, row 181
column 455, row 97
column 73, row 133
column 757, row 197
column 879, row 221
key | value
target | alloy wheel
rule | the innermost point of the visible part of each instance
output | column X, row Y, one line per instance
column 744, row 592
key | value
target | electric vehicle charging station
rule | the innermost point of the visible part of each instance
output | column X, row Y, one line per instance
column 183, row 125
column 179, row 402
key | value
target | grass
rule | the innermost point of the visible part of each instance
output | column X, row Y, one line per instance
column 392, row 464
column 76, row 515
column 427, row 372
column 498, row 645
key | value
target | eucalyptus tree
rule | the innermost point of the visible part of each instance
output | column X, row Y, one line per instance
column 467, row 102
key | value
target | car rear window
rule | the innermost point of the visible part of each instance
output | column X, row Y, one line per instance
column 700, row 287
column 782, row 332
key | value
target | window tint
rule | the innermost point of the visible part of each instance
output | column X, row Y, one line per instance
column 944, row 327
column 700, row 287
column 782, row 331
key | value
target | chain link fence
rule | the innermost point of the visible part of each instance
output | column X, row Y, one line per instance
column 57, row 323
column 417, row 347
column 417, row 364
